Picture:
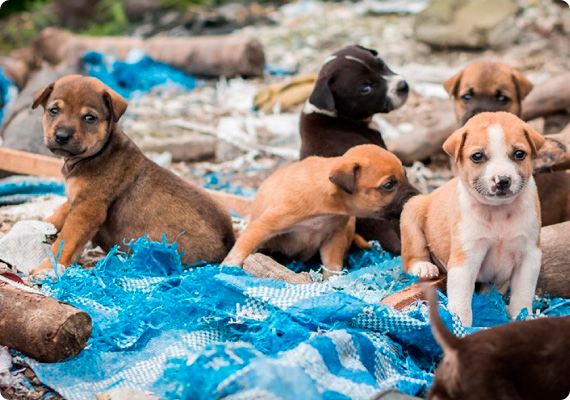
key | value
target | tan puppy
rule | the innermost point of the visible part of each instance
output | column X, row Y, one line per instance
column 309, row 206
column 484, row 225
column 491, row 86
column 114, row 193
column 487, row 86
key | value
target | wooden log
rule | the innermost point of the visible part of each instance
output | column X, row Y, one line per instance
column 22, row 162
column 212, row 56
column 41, row 327
column 554, row 276
column 407, row 296
column 262, row 266
column 555, row 154
column 427, row 137
column 547, row 97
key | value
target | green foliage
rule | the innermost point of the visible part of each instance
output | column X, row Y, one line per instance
column 15, row 6
column 109, row 19
column 19, row 29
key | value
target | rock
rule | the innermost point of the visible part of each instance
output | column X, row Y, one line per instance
column 473, row 24
column 182, row 148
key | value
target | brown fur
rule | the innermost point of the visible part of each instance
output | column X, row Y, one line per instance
column 309, row 206
column 525, row 360
column 114, row 193
column 485, row 81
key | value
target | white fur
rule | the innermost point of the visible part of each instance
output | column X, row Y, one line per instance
column 393, row 82
column 499, row 239
column 329, row 59
column 311, row 108
column 499, row 163
column 425, row 270
column 358, row 60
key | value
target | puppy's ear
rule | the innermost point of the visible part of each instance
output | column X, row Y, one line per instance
column 344, row 176
column 522, row 84
column 117, row 105
column 322, row 96
column 371, row 51
column 535, row 139
column 452, row 84
column 41, row 96
column 454, row 144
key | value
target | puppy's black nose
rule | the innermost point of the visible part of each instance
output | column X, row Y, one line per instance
column 403, row 87
column 62, row 136
column 502, row 182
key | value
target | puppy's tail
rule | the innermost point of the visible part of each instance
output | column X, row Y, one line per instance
column 443, row 336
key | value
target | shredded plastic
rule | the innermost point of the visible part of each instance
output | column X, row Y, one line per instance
column 203, row 332
column 137, row 74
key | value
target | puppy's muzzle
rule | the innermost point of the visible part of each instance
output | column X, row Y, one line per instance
column 63, row 135
column 402, row 88
column 502, row 185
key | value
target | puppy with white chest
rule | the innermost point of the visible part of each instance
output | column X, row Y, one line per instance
column 308, row 208
column 484, row 225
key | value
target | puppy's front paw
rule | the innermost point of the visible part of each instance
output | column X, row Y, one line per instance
column 232, row 261
column 425, row 270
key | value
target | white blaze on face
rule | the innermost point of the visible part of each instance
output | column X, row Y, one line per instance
column 499, row 164
column 396, row 98
column 2, row 2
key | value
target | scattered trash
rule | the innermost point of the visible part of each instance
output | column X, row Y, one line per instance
column 26, row 245
column 19, row 189
column 8, row 92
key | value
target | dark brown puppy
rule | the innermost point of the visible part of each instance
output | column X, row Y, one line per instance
column 491, row 86
column 114, row 193
column 353, row 85
column 526, row 360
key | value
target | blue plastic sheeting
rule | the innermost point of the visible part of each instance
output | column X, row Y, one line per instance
column 207, row 332
column 19, row 189
column 137, row 74
column 7, row 92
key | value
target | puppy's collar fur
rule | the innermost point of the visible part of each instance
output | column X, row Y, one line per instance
column 311, row 108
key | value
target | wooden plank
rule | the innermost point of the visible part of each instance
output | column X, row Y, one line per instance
column 22, row 162
column 409, row 295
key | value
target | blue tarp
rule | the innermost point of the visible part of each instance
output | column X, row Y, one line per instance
column 7, row 91
column 204, row 332
column 139, row 73
column 19, row 189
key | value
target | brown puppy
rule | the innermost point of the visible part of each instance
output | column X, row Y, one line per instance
column 484, row 225
column 526, row 360
column 491, row 86
column 114, row 193
column 309, row 206
column 353, row 85
column 487, row 86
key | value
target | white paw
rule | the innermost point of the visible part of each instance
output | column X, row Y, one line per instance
column 425, row 270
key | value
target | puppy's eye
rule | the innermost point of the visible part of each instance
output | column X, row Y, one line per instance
column 502, row 98
column 89, row 118
column 366, row 89
column 467, row 97
column 388, row 186
column 519, row 155
column 477, row 157
column 54, row 111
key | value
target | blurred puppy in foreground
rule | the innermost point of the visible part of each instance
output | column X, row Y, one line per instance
column 484, row 225
column 309, row 207
column 526, row 360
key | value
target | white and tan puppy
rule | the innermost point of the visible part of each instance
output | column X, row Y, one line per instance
column 484, row 225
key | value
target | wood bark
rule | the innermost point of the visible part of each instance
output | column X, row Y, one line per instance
column 211, row 56
column 262, row 266
column 554, row 276
column 547, row 97
column 41, row 327
column 407, row 296
column 555, row 154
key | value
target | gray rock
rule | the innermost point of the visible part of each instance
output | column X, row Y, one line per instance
column 473, row 24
